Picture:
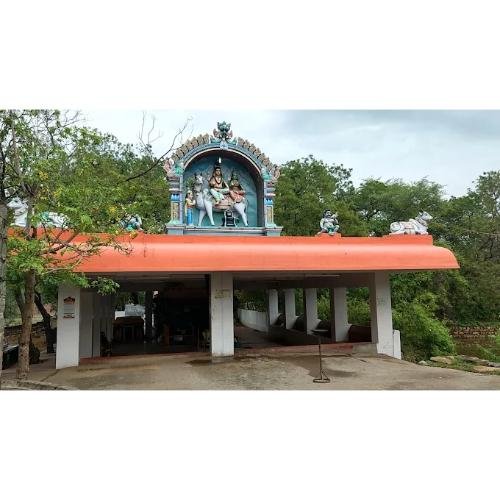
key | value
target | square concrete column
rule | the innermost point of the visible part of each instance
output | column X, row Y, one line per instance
column 221, row 314
column 148, row 312
column 310, row 309
column 97, row 324
column 290, row 316
column 338, row 314
column 68, row 326
column 110, row 318
column 381, row 313
column 105, row 321
column 272, row 306
column 86, row 321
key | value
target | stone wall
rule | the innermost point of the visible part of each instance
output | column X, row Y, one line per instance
column 37, row 330
column 470, row 332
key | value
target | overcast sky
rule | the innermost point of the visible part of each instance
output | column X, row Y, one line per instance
column 449, row 147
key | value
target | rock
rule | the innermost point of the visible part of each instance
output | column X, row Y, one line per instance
column 423, row 363
column 486, row 369
column 446, row 360
column 470, row 359
column 493, row 364
column 473, row 359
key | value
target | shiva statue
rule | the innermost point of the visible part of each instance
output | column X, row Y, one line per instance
column 218, row 186
column 329, row 223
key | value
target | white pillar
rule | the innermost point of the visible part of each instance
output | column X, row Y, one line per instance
column 397, row 344
column 86, row 319
column 104, row 314
column 338, row 314
column 310, row 309
column 272, row 307
column 290, row 316
column 110, row 316
column 148, row 313
column 68, row 326
column 381, row 313
column 96, row 325
column 221, row 314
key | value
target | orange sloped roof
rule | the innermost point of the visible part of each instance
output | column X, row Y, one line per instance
column 167, row 253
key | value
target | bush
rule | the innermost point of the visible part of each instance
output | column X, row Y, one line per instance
column 359, row 312
column 324, row 307
column 490, row 352
column 255, row 300
column 422, row 334
column 486, row 353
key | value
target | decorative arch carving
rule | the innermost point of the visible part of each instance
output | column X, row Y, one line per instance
column 221, row 140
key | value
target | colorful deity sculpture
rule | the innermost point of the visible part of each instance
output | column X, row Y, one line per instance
column 189, row 204
column 236, row 191
column 329, row 223
column 132, row 223
column 218, row 197
column 218, row 186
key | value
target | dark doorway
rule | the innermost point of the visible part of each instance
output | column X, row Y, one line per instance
column 182, row 318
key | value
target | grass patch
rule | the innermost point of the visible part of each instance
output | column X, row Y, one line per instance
column 458, row 364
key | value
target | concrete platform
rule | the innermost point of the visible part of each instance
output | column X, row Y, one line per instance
column 261, row 370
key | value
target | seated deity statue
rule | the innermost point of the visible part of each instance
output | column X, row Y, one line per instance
column 236, row 191
column 329, row 223
column 218, row 186
column 131, row 223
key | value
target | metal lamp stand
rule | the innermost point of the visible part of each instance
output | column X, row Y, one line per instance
column 323, row 379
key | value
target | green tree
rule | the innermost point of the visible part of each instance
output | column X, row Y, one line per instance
column 306, row 188
column 56, row 169
column 380, row 203
column 470, row 225
column 77, row 185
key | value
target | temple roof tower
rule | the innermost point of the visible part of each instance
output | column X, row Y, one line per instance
column 220, row 184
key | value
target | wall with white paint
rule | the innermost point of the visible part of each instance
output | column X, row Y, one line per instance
column 256, row 320
column 221, row 314
column 68, row 328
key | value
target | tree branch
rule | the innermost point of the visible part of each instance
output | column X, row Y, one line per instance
column 161, row 158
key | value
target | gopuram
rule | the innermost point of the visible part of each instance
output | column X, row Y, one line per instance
column 213, row 177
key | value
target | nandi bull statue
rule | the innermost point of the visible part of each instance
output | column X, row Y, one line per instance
column 413, row 226
column 220, row 197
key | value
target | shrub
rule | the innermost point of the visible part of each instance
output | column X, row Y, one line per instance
column 487, row 353
column 324, row 307
column 422, row 334
column 359, row 311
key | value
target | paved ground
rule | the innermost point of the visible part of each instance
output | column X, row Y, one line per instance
column 271, row 370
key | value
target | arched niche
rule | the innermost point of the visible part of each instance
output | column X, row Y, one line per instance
column 248, row 173
column 256, row 173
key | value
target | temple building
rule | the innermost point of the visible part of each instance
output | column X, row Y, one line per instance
column 222, row 237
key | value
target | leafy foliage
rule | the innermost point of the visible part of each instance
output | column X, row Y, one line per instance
column 424, row 303
column 306, row 188
column 422, row 334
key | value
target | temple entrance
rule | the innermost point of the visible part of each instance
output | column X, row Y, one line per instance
column 181, row 319
column 173, row 319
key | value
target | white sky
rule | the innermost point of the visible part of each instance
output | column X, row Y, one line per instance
column 449, row 147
